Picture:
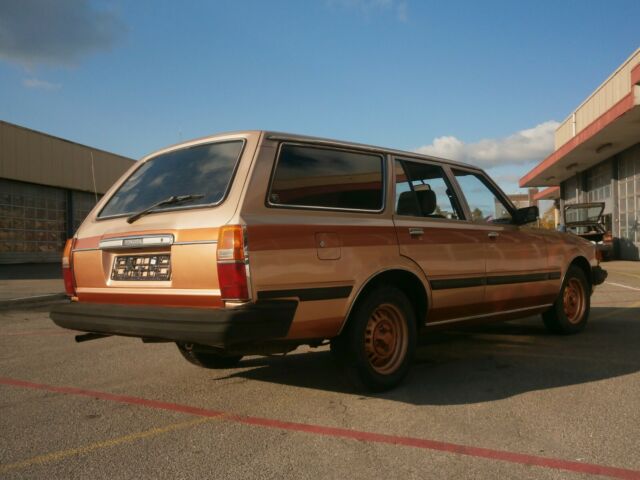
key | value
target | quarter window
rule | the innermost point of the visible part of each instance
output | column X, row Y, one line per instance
column 422, row 190
column 319, row 177
column 484, row 204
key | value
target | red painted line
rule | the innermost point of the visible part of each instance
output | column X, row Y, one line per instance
column 425, row 444
column 36, row 332
column 143, row 402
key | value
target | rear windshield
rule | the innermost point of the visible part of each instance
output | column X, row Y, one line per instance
column 201, row 170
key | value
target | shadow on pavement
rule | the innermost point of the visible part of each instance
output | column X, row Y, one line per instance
column 482, row 364
column 31, row 271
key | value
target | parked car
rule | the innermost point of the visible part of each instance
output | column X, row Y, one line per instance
column 586, row 221
column 258, row 242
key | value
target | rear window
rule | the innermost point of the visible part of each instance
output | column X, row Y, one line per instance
column 201, row 170
column 319, row 177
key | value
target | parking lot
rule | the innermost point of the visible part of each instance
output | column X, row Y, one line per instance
column 500, row 401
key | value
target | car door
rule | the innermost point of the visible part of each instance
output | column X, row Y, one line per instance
column 432, row 231
column 517, row 270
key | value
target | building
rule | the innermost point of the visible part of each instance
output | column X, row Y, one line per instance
column 519, row 200
column 597, row 156
column 47, row 186
column 552, row 194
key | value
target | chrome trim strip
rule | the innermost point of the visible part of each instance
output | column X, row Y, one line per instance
column 84, row 249
column 492, row 314
column 196, row 242
column 147, row 288
column 136, row 241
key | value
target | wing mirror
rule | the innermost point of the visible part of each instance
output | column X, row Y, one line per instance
column 526, row 215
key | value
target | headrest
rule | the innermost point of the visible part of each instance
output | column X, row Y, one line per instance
column 408, row 204
column 427, row 201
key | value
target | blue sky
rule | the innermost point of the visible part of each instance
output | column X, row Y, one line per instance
column 481, row 81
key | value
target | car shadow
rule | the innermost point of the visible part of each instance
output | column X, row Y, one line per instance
column 481, row 364
column 31, row 271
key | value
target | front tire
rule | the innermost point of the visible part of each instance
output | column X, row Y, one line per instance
column 206, row 357
column 377, row 346
column 570, row 312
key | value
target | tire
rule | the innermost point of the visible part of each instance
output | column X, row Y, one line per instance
column 378, row 343
column 570, row 312
column 207, row 357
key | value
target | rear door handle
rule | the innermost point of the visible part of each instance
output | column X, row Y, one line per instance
column 493, row 235
column 415, row 231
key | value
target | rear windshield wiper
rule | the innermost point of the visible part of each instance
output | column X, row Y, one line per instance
column 172, row 200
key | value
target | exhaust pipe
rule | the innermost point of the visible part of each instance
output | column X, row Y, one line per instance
column 90, row 336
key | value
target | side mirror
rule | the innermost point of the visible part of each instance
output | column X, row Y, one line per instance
column 526, row 215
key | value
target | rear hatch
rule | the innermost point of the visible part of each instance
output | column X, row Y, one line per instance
column 585, row 220
column 153, row 238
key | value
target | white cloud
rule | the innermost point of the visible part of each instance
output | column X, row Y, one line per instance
column 40, row 84
column 367, row 7
column 524, row 146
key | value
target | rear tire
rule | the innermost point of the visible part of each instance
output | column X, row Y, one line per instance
column 206, row 357
column 570, row 312
column 378, row 343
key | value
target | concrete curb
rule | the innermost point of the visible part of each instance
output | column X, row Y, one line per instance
column 37, row 300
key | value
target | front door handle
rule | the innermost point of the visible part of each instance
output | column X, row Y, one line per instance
column 415, row 231
column 493, row 235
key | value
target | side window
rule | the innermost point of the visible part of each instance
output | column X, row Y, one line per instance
column 422, row 190
column 307, row 176
column 485, row 206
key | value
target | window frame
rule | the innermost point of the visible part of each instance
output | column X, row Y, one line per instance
column 106, row 199
column 491, row 186
column 318, row 146
column 447, row 179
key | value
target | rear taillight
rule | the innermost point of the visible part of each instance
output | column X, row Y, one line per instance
column 67, row 268
column 232, row 263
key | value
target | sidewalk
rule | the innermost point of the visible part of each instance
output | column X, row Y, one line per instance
column 29, row 284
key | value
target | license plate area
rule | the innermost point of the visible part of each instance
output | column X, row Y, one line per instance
column 142, row 268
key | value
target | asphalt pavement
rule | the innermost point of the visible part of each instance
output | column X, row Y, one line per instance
column 500, row 401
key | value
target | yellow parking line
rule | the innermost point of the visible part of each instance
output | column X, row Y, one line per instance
column 132, row 437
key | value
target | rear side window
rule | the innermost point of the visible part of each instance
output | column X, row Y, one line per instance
column 318, row 177
column 201, row 170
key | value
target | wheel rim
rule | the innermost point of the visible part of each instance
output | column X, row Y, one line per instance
column 574, row 300
column 386, row 339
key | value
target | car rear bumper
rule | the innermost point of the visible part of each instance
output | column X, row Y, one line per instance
column 598, row 275
column 263, row 320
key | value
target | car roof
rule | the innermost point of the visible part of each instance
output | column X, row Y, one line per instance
column 271, row 135
column 293, row 137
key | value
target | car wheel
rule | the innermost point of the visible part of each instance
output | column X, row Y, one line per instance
column 570, row 312
column 206, row 357
column 378, row 343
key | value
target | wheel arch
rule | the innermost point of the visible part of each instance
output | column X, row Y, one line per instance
column 583, row 264
column 409, row 282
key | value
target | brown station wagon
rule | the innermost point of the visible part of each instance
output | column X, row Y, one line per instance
column 258, row 242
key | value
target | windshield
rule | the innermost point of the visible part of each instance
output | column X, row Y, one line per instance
column 203, row 169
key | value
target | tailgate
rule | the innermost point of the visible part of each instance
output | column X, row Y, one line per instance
column 170, row 268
